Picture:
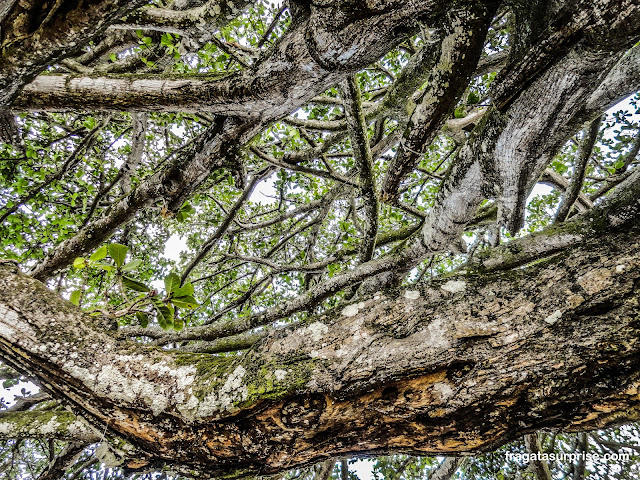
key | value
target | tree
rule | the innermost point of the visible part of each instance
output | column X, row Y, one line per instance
column 397, row 293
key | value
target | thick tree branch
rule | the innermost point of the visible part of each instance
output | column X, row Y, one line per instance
column 447, row 469
column 24, row 403
column 579, row 170
column 593, row 21
column 293, row 73
column 470, row 352
column 138, row 142
column 452, row 67
column 554, row 179
column 58, row 424
column 623, row 204
column 539, row 467
column 357, row 127
column 28, row 47
column 517, row 253
column 213, row 14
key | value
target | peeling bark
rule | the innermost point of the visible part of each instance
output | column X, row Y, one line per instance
column 455, row 366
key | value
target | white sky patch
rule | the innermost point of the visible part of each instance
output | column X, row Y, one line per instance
column 172, row 249
column 174, row 246
column 363, row 468
column 539, row 189
column 265, row 192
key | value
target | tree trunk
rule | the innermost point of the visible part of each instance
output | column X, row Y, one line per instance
column 462, row 364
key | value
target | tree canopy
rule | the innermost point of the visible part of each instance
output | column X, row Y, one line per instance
column 243, row 239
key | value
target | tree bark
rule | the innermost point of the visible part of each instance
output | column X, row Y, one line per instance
column 326, row 45
column 540, row 333
column 459, row 365
column 34, row 35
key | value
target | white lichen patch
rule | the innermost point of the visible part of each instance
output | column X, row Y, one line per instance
column 437, row 334
column 454, row 286
column 620, row 268
column 160, row 388
column 52, row 426
column 232, row 392
column 7, row 429
column 280, row 374
column 7, row 332
column 412, row 294
column 554, row 317
column 315, row 331
column 443, row 390
column 9, row 320
column 350, row 310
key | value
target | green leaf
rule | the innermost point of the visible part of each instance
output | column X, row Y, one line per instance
column 459, row 112
column 172, row 283
column 187, row 208
column 185, row 301
column 184, row 212
column 99, row 254
column 164, row 314
column 102, row 266
column 113, row 57
column 178, row 324
column 75, row 297
column 186, row 289
column 132, row 265
column 133, row 284
column 118, row 253
column 79, row 263
column 10, row 382
column 143, row 319
column 166, row 39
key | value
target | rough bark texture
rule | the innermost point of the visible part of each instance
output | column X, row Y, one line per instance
column 541, row 333
column 36, row 34
column 503, row 159
column 454, row 62
column 459, row 365
column 309, row 59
